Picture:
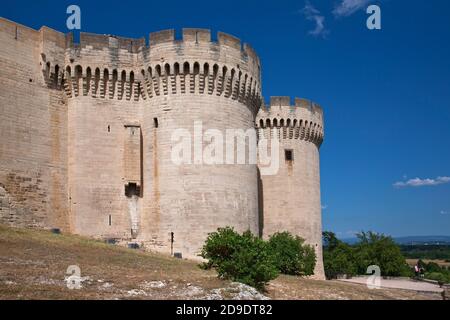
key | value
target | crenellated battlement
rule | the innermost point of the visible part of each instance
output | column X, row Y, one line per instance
column 283, row 103
column 203, row 36
column 106, row 66
column 189, row 36
column 100, row 42
column 303, row 120
column 157, row 41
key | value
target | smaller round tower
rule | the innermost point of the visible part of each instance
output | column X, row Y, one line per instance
column 290, row 198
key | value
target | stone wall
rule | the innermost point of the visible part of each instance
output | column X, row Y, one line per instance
column 33, row 132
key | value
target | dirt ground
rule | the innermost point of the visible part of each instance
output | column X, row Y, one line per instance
column 287, row 287
column 33, row 265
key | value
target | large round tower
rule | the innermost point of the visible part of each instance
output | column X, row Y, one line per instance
column 127, row 104
column 191, row 86
column 290, row 199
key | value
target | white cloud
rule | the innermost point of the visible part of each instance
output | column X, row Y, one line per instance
column 324, row 206
column 312, row 14
column 417, row 182
column 444, row 212
column 346, row 8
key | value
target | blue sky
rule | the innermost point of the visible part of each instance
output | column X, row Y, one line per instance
column 385, row 93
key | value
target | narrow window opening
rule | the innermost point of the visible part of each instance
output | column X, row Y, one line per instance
column 109, row 220
column 172, row 240
column 132, row 189
column 288, row 155
column 155, row 122
column 56, row 75
column 109, row 128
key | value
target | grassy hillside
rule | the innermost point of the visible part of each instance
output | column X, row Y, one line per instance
column 33, row 265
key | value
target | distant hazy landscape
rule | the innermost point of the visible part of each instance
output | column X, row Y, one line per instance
column 413, row 240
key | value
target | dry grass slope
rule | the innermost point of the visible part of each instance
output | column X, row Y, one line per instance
column 33, row 265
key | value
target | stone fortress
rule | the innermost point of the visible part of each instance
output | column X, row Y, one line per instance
column 85, row 139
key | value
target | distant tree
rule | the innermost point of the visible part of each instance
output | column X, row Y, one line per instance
column 338, row 257
column 421, row 264
column 381, row 250
column 433, row 267
column 329, row 239
column 431, row 252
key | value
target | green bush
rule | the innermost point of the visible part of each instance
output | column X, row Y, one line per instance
column 432, row 267
column 339, row 262
column 421, row 264
column 440, row 277
column 243, row 258
column 378, row 249
column 291, row 255
column 371, row 249
column 338, row 257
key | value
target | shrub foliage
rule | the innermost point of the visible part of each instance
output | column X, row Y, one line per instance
column 243, row 258
column 248, row 259
column 338, row 257
column 434, row 271
column 371, row 249
column 381, row 250
column 291, row 255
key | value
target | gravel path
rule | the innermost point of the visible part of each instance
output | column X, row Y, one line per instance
column 400, row 283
